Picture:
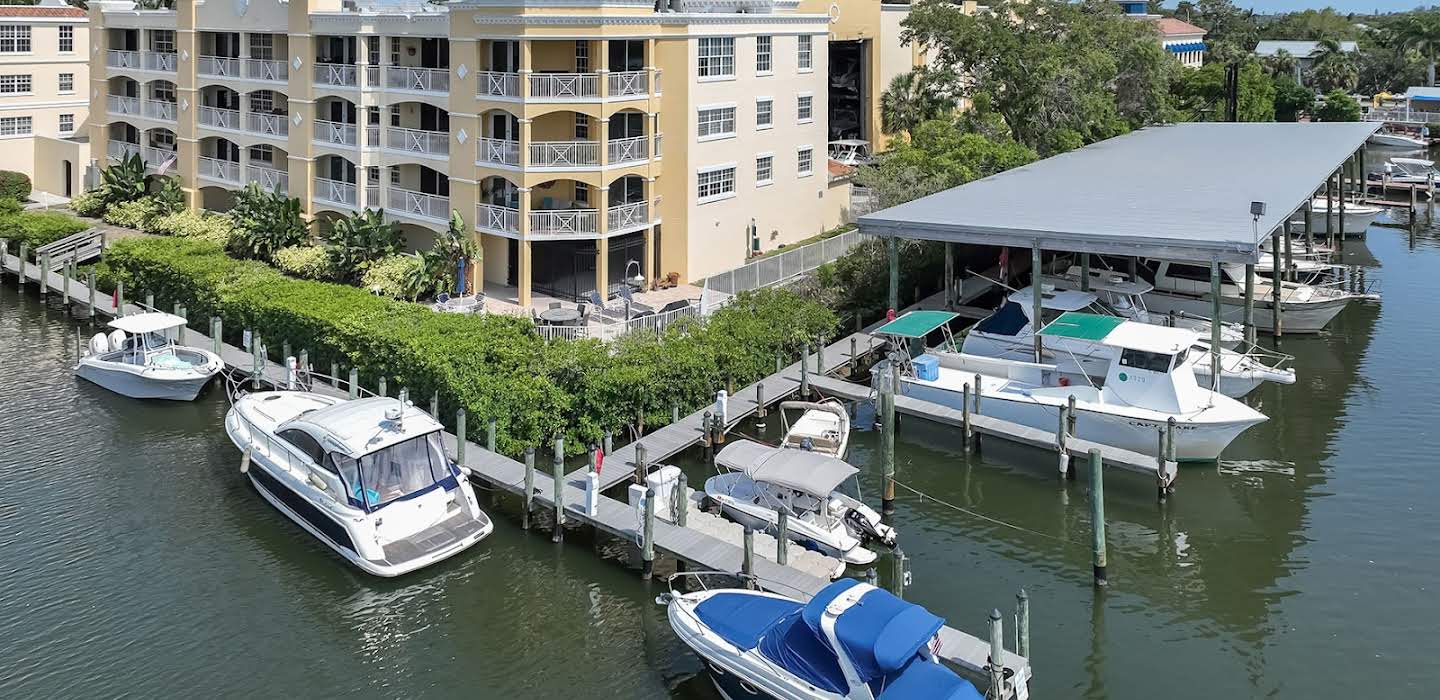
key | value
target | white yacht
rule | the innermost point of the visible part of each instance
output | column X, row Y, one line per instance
column 852, row 641
column 1009, row 334
column 1395, row 139
column 823, row 427
column 367, row 477
column 764, row 480
column 1150, row 379
column 138, row 359
column 1414, row 171
column 1184, row 288
column 1118, row 295
column 1358, row 217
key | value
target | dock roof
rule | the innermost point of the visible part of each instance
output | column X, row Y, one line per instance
column 1178, row 192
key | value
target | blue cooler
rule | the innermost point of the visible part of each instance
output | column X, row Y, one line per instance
column 927, row 367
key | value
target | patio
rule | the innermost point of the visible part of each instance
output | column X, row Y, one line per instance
column 651, row 310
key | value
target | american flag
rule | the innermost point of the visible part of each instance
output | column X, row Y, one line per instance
column 599, row 459
column 935, row 646
column 1004, row 264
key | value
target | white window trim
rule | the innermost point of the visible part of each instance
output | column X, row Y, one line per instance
column 715, row 168
column 765, row 183
column 734, row 59
column 798, row 118
column 721, row 136
column 758, row 125
column 771, row 69
column 71, row 52
column 811, row 67
column 811, row 171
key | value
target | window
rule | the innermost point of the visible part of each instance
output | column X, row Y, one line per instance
column 164, row 139
column 804, row 108
column 162, row 91
column 717, row 122
column 717, row 57
column 15, row 38
column 582, row 194
column 764, row 113
column 162, row 40
column 262, row 47
column 67, row 123
column 67, row 38
column 14, row 126
column 395, row 175
column 805, row 161
column 582, row 57
column 15, row 84
column 67, row 82
column 262, row 101
column 763, row 46
column 1149, row 361
column 306, row 444
column 764, row 170
column 582, row 127
column 716, row 183
column 806, row 55
column 262, row 154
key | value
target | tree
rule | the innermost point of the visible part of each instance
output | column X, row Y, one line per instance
column 360, row 239
column 919, row 95
column 1334, row 68
column 1338, row 106
column 1291, row 99
column 1421, row 31
column 1231, row 33
column 939, row 156
column 1310, row 24
column 1200, row 95
column 265, row 222
column 1281, row 63
column 1387, row 63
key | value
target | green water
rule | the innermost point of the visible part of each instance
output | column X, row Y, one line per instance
column 135, row 561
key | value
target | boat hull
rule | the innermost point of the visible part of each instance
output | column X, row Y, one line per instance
column 1306, row 317
column 136, row 386
column 1397, row 141
column 739, row 675
column 1356, row 223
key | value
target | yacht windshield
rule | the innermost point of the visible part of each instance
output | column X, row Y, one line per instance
column 400, row 470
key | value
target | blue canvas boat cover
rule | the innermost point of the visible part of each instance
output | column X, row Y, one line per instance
column 741, row 617
column 880, row 633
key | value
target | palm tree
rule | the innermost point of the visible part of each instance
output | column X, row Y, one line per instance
column 1334, row 68
column 1422, row 33
column 1282, row 63
column 914, row 97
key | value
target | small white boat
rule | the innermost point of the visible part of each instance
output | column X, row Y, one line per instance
column 1118, row 295
column 1397, row 140
column 1414, row 171
column 1358, row 217
column 368, row 477
column 138, row 359
column 823, row 427
column 852, row 641
column 1149, row 380
column 764, row 480
column 852, row 152
column 1184, row 288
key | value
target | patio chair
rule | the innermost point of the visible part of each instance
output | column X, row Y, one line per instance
column 675, row 305
column 442, row 297
column 555, row 305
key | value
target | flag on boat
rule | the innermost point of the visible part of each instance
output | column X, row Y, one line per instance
column 166, row 166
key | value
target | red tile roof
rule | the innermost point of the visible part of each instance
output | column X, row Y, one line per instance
column 35, row 11
column 838, row 169
column 1170, row 26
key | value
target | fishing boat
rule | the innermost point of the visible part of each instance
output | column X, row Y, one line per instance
column 1118, row 295
column 1184, row 288
column 1358, row 217
column 852, row 641
column 367, row 477
column 1148, row 381
column 766, row 480
column 823, row 427
column 138, row 359
column 1395, row 139
column 1413, row 171
column 1009, row 334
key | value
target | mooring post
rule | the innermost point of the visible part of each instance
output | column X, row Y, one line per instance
column 760, row 406
column 747, row 565
column 256, row 366
column 435, row 404
column 705, row 434
column 119, row 298
column 872, row 576
column 782, row 538
column 893, row 250
column 967, row 435
column 20, row 277
column 354, row 381
column 1036, row 302
column 898, row 564
column 1165, row 487
column 641, row 467
column 675, row 413
column 1340, row 241
column 44, row 275
column 335, row 379
column 216, row 334
column 682, row 500
column 304, row 358
column 559, row 482
column 1215, row 309
column 997, row 655
column 1309, row 225
column 490, row 434
column 1289, row 257
column 1160, row 459
column 819, row 355
column 1249, row 320
column 1329, row 211
column 289, row 373
column 804, row 373
column 529, row 494
column 66, row 271
column 1097, row 516
column 384, row 390
column 647, row 551
column 607, row 441
column 90, row 304
column 1060, row 449
column 779, row 361
column 887, row 504
column 1275, row 286
column 459, row 435
column 1022, row 623
column 285, row 350
column 150, row 301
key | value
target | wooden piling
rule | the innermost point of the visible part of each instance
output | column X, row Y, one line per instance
column 1216, row 306
column 216, row 334
column 1022, row 623
column 90, row 305
column 285, row 352
column 1276, row 326
column 44, row 275
column 354, row 381
column 893, row 253
column 1249, row 320
column 1060, row 449
column 782, row 538
column 1037, row 302
column 66, row 272
column 898, row 564
column 966, row 433
column 854, row 363
column 997, row 655
column 804, row 373
column 608, row 442
column 255, row 366
column 1097, row 516
column 706, row 432
column 760, row 406
column 529, row 495
column 819, row 355
column 150, row 301
column 20, row 277
column 888, row 438
column 119, row 298
column 682, row 501
column 434, row 404
column 384, row 390
column 459, row 431
column 747, row 565
column 559, row 497
column 647, row 550
column 675, row 412
column 490, row 434
column 641, row 467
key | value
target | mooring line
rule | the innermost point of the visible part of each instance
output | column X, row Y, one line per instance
column 923, row 496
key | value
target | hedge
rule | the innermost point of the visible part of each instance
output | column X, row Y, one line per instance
column 494, row 366
column 37, row 228
column 14, row 185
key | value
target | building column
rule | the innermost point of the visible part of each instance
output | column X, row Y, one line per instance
column 604, row 140
column 526, row 61
column 523, row 265
column 601, row 199
column 600, row 65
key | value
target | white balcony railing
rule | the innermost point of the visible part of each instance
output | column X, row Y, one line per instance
column 269, row 179
column 163, row 61
column 493, row 217
column 372, row 197
column 372, row 76
column 561, row 86
column 335, row 191
column 122, row 59
column 564, row 222
column 658, row 138
column 501, row 151
column 218, row 66
column 264, row 69
column 220, row 118
column 337, row 74
column 121, row 150
column 418, row 79
column 564, row 154
column 627, row 83
column 657, row 81
column 267, row 124
column 634, row 149
column 339, row 133
column 420, row 204
column 121, row 104
column 435, row 143
column 156, row 157
column 495, row 84
column 217, row 169
column 372, row 135
column 627, row 217
column 159, row 109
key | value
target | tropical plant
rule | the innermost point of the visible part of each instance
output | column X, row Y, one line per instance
column 88, row 203
column 1334, row 68
column 1281, row 63
column 132, row 214
column 914, row 97
column 938, row 156
column 193, row 224
column 123, row 181
column 1338, row 106
column 311, row 262
column 168, row 196
column 1291, row 99
column 1421, row 31
column 359, row 239
column 265, row 222
column 398, row 276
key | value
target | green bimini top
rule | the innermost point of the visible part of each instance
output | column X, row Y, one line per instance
column 916, row 324
column 1082, row 326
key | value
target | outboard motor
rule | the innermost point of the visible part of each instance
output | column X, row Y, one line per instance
column 99, row 344
column 117, row 339
column 865, row 523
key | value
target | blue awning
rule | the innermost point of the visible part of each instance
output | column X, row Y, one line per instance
column 1182, row 48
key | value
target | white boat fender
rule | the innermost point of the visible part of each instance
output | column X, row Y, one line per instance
column 721, row 402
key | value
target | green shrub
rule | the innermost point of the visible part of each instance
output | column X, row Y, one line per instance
column 133, row 214
column 360, row 239
column 311, row 262
column 193, row 224
column 10, row 207
column 265, row 222
column 493, row 366
column 88, row 203
column 38, row 228
column 391, row 276
column 14, row 185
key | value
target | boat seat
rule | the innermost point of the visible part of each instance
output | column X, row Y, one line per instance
column 922, row 679
column 742, row 618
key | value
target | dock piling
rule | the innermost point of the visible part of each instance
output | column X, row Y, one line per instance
column 647, row 550
column 1249, row 320
column 967, row 435
column 705, row 433
column 184, row 315
column 289, row 373
column 1275, row 311
column 44, row 275
column 404, row 396
column 255, row 366
column 872, row 576
column 854, row 362
column 899, row 565
column 384, row 391
column 1022, row 623
column 675, row 412
column 78, row 345
column 1097, row 519
column 119, row 298
column 682, row 501
column 760, row 406
column 285, row 348
column 529, row 495
column 559, row 497
column 997, row 655
column 459, row 434
column 354, row 390
column 216, row 334
column 68, row 272
column 304, row 361
column 747, row 565
column 608, row 442
column 20, row 276
column 90, row 306
column 887, row 507
column 434, row 404
column 641, row 468
column 150, row 301
column 782, row 538
column 490, row 434
column 1060, row 449
column 804, row 373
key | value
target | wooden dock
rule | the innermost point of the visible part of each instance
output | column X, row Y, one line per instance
column 705, row 547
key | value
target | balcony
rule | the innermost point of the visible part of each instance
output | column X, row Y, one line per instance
column 418, row 204
column 162, row 62
column 564, row 222
column 141, row 60
column 269, row 70
column 156, row 157
column 220, row 118
column 634, row 149
column 121, row 150
column 417, row 79
column 496, row 84
column 159, row 109
column 342, row 75
column 623, row 218
column 276, row 125
column 122, row 105
column 564, row 154
column 269, row 179
column 629, row 83
column 336, row 192
column 434, row 143
column 493, row 217
column 564, row 86
column 226, row 171
column 218, row 67
column 122, row 59
column 499, row 152
column 337, row 133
